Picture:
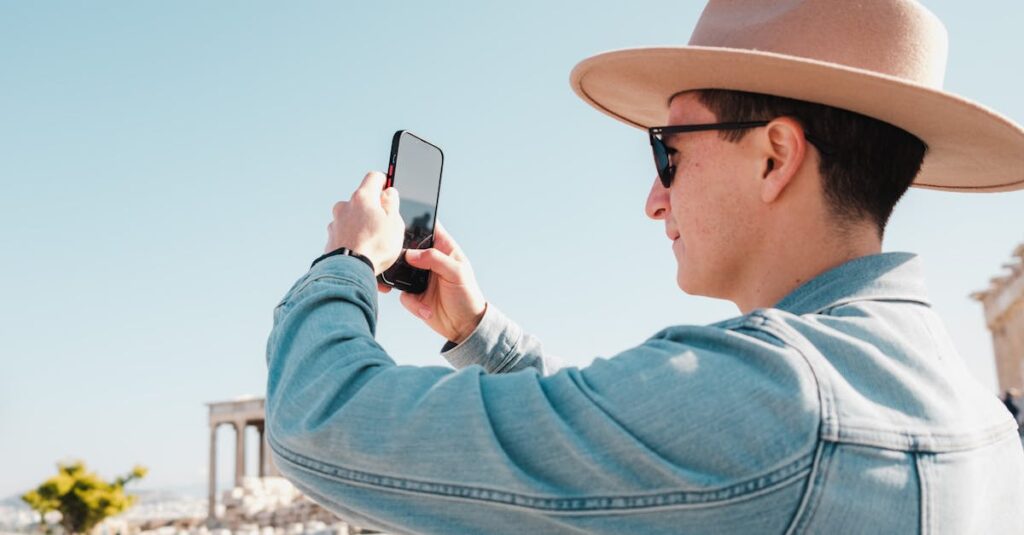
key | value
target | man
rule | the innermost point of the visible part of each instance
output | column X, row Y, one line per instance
column 835, row 403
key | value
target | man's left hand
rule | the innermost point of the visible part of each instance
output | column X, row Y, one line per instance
column 369, row 223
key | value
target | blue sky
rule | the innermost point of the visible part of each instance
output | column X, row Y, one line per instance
column 169, row 168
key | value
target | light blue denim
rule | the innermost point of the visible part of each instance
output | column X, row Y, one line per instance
column 843, row 409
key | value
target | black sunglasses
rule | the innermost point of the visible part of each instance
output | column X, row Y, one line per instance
column 663, row 153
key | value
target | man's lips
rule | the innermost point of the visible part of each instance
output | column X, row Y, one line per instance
column 677, row 240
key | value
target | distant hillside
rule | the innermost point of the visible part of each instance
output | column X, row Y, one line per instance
column 14, row 501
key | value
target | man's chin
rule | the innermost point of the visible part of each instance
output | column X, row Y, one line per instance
column 687, row 283
column 693, row 285
column 691, row 277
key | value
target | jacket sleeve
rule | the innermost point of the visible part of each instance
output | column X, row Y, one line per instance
column 499, row 345
column 430, row 449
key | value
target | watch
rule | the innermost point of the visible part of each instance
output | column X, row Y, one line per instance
column 344, row 251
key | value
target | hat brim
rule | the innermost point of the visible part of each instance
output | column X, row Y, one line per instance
column 971, row 148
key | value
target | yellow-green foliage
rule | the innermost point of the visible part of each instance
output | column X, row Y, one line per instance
column 81, row 497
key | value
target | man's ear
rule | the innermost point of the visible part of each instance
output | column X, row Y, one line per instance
column 784, row 149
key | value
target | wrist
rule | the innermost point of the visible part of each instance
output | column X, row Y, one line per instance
column 346, row 252
column 472, row 327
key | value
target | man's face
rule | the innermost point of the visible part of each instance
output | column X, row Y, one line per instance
column 712, row 207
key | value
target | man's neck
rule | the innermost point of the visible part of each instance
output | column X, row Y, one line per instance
column 779, row 268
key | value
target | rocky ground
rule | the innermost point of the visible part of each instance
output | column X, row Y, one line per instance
column 260, row 506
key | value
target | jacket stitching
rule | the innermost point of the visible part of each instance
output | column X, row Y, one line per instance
column 778, row 478
column 819, row 486
column 920, row 462
column 828, row 419
column 816, row 486
column 908, row 441
column 808, row 492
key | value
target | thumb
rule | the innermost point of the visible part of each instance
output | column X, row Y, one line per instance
column 389, row 200
column 432, row 259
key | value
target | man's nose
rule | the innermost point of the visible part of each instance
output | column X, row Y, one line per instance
column 657, row 201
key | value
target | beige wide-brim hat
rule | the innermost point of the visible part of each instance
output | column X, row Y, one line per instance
column 881, row 58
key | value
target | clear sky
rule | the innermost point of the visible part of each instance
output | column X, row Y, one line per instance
column 168, row 170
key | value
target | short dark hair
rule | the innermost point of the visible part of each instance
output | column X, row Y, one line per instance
column 866, row 165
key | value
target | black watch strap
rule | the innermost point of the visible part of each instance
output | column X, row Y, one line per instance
column 345, row 251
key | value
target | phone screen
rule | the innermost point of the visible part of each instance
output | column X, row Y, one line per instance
column 415, row 171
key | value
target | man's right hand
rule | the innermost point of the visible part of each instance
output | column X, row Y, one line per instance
column 452, row 305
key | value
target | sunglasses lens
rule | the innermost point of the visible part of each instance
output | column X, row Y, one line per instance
column 662, row 161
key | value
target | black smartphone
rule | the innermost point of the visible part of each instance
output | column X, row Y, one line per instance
column 414, row 169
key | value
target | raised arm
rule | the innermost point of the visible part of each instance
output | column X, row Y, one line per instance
column 634, row 443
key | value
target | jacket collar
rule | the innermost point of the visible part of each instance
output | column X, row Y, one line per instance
column 880, row 277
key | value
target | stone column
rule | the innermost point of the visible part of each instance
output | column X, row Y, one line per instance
column 1015, row 323
column 239, row 452
column 213, row 473
column 263, row 451
column 1003, row 371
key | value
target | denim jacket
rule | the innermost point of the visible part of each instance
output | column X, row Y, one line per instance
column 843, row 409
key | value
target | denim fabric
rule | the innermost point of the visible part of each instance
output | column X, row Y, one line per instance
column 843, row 409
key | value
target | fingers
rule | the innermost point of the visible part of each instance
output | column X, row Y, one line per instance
column 389, row 200
column 383, row 288
column 444, row 241
column 412, row 303
column 330, row 235
column 373, row 182
column 339, row 208
column 370, row 188
column 445, row 266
